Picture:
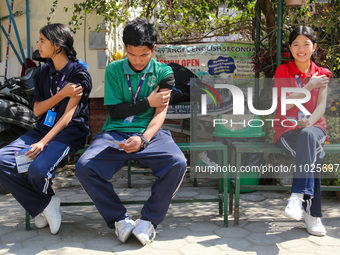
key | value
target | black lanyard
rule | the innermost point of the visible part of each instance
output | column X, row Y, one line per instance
column 58, row 88
column 297, row 78
column 134, row 96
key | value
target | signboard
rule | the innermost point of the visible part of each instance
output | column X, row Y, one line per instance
column 212, row 63
column 229, row 60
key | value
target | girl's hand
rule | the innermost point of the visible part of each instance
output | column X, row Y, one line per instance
column 35, row 150
column 317, row 82
column 132, row 144
column 304, row 123
column 72, row 90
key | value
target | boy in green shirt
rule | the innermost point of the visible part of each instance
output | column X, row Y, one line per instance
column 137, row 93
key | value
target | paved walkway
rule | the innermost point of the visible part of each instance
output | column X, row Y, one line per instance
column 188, row 228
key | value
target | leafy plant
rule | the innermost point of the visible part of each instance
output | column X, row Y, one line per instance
column 334, row 109
column 178, row 21
column 264, row 59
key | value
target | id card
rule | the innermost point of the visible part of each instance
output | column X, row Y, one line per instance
column 22, row 161
column 50, row 118
column 129, row 119
column 301, row 115
column 115, row 144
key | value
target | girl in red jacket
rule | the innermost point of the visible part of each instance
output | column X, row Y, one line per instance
column 305, row 136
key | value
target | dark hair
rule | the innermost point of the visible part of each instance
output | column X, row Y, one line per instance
column 60, row 35
column 140, row 32
column 306, row 31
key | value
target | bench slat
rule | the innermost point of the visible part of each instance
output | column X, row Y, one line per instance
column 286, row 187
column 262, row 147
column 133, row 202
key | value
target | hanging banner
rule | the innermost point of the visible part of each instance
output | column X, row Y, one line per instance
column 229, row 60
column 228, row 63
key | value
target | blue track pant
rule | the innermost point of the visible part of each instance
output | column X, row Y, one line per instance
column 103, row 159
column 33, row 190
column 306, row 145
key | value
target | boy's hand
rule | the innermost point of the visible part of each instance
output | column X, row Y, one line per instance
column 132, row 144
column 157, row 99
column 72, row 90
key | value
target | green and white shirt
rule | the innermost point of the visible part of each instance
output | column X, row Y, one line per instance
column 117, row 92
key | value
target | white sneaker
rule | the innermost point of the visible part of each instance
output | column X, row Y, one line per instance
column 314, row 225
column 144, row 231
column 52, row 214
column 40, row 221
column 294, row 208
column 123, row 229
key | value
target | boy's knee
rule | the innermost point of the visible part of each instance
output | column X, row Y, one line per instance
column 80, row 167
column 180, row 160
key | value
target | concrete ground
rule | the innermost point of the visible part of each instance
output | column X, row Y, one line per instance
column 194, row 228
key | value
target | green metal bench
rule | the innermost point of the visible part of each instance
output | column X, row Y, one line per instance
column 238, row 148
column 222, row 197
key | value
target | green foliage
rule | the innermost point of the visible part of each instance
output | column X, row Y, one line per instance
column 178, row 21
column 326, row 21
column 323, row 18
column 183, row 21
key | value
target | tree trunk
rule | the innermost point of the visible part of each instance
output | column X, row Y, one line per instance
column 269, row 14
column 270, row 25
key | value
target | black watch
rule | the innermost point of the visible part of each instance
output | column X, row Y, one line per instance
column 145, row 142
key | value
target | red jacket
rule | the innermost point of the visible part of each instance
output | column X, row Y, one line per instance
column 285, row 77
